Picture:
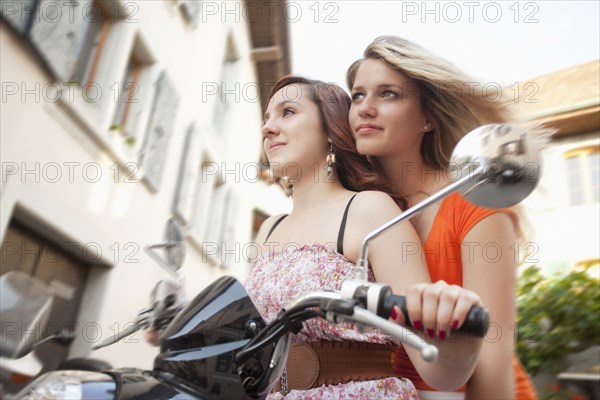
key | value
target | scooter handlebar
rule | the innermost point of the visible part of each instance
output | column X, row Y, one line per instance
column 338, row 308
column 476, row 323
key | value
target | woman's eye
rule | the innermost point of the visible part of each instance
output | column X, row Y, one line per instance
column 357, row 96
column 287, row 111
column 389, row 93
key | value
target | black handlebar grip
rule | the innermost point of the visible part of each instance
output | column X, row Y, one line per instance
column 476, row 323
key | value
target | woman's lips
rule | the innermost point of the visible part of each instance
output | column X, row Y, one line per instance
column 365, row 129
column 275, row 145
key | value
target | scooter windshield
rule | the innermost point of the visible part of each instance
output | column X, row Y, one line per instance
column 25, row 304
column 199, row 346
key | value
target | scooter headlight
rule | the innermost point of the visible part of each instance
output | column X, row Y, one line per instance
column 70, row 385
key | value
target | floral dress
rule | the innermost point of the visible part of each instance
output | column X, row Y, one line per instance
column 279, row 277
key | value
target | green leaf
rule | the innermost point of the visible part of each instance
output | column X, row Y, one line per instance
column 556, row 315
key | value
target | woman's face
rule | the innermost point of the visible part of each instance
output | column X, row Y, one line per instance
column 294, row 138
column 386, row 115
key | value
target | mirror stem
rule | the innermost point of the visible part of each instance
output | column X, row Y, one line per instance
column 362, row 264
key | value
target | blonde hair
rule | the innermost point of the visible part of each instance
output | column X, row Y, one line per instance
column 447, row 97
column 450, row 103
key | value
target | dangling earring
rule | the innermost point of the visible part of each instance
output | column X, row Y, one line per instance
column 330, row 160
column 288, row 186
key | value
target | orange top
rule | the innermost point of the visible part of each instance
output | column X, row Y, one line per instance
column 442, row 248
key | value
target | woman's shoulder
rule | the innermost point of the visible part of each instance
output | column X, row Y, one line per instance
column 370, row 200
column 374, row 206
column 462, row 215
column 458, row 206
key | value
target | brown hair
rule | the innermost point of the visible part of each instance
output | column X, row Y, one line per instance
column 354, row 171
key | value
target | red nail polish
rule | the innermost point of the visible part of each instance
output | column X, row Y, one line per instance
column 442, row 335
column 431, row 333
column 418, row 325
column 393, row 314
column 454, row 325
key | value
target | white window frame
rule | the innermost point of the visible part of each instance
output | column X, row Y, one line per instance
column 229, row 80
column 123, row 40
column 140, row 107
column 205, row 184
column 581, row 153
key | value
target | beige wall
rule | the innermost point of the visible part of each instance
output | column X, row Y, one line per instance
column 38, row 132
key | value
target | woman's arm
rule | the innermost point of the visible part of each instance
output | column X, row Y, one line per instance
column 489, row 270
column 397, row 259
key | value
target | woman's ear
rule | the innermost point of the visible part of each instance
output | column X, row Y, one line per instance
column 428, row 125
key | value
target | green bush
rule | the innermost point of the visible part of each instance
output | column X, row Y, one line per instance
column 557, row 315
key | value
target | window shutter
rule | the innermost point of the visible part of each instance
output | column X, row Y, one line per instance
column 18, row 14
column 160, row 129
column 232, row 213
column 228, row 234
column 185, row 197
column 58, row 33
column 191, row 9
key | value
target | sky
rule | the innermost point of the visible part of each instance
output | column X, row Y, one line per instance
column 493, row 41
column 500, row 42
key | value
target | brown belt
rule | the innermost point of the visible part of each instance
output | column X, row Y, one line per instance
column 314, row 364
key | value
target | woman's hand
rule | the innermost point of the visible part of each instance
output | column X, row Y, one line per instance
column 437, row 308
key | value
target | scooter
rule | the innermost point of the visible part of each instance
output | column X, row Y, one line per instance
column 219, row 347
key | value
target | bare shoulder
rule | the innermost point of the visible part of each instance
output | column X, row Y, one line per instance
column 371, row 201
column 369, row 211
column 494, row 227
column 376, row 206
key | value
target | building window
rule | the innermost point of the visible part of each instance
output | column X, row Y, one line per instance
column 158, row 131
column 202, row 195
column 583, row 177
column 92, row 45
column 72, row 39
column 229, row 91
column 133, row 94
column 64, row 268
column 220, row 229
column 127, row 90
column 219, row 205
column 191, row 10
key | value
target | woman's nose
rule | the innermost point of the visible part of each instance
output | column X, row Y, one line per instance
column 269, row 129
column 366, row 108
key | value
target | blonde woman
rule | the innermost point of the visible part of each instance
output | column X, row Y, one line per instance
column 409, row 109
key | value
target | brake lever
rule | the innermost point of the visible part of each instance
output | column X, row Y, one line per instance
column 338, row 311
column 368, row 317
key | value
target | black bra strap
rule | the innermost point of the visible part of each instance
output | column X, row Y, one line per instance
column 274, row 226
column 340, row 241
